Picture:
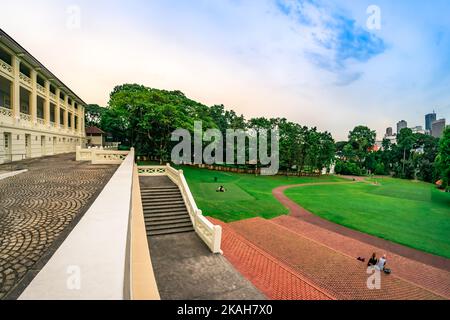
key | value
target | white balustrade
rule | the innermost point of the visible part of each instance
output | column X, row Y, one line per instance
column 152, row 171
column 6, row 68
column 41, row 89
column 25, row 79
column 5, row 112
column 100, row 156
column 25, row 117
column 209, row 233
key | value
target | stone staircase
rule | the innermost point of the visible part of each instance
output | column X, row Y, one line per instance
column 164, row 211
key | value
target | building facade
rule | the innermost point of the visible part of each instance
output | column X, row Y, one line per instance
column 39, row 114
column 95, row 137
column 418, row 129
column 429, row 119
column 401, row 125
column 389, row 132
column 437, row 128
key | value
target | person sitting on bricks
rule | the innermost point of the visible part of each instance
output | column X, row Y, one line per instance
column 373, row 260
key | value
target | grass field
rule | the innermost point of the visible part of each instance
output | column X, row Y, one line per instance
column 247, row 196
column 414, row 214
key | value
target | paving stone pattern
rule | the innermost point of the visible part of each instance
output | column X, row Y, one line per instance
column 37, row 211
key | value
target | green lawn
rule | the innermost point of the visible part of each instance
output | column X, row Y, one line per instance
column 247, row 196
column 414, row 214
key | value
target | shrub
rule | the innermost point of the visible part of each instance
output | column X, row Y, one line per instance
column 348, row 168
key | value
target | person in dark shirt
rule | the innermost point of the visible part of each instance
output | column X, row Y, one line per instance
column 373, row 260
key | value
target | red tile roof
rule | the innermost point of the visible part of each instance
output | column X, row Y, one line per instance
column 94, row 130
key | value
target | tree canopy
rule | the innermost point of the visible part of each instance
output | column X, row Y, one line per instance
column 144, row 118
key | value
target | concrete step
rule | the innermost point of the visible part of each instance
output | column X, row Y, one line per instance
column 169, row 231
column 169, row 226
column 162, row 192
column 165, row 196
column 168, row 222
column 160, row 189
column 149, row 206
column 163, row 213
column 162, row 203
column 167, row 217
column 162, row 196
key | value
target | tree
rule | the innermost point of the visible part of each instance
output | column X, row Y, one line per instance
column 405, row 143
column 93, row 115
column 443, row 158
column 361, row 139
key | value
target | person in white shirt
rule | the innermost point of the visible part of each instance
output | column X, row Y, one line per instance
column 381, row 263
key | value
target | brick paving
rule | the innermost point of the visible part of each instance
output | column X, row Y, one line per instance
column 272, row 277
column 37, row 211
column 384, row 245
column 304, row 257
column 426, row 276
column 341, row 276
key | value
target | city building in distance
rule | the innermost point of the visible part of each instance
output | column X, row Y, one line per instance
column 418, row 129
column 401, row 125
column 429, row 118
column 389, row 132
column 437, row 128
column 39, row 114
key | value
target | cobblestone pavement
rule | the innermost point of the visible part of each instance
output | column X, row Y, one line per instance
column 38, row 209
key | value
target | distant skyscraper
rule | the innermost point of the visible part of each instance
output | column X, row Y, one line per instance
column 401, row 125
column 429, row 118
column 437, row 128
column 389, row 132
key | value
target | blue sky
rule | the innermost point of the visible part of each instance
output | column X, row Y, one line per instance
column 311, row 61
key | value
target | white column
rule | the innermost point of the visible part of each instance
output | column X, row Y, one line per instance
column 47, row 103
column 66, row 113
column 80, row 120
column 58, row 106
column 73, row 116
column 15, row 92
column 33, row 96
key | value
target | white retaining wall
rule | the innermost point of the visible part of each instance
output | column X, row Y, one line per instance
column 90, row 264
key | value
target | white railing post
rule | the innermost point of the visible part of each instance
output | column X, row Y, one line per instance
column 217, row 241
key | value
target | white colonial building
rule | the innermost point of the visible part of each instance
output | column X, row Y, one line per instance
column 39, row 114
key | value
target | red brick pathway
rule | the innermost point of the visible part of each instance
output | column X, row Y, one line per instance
column 272, row 277
column 334, row 273
column 431, row 278
column 382, row 245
